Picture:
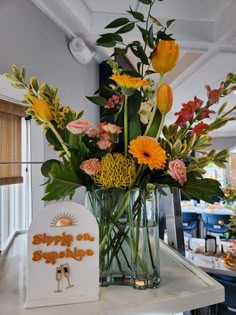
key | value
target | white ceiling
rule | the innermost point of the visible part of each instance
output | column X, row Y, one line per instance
column 205, row 30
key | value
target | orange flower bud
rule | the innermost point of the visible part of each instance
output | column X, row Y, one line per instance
column 165, row 56
column 42, row 110
column 164, row 98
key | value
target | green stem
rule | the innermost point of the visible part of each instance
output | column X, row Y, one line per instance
column 160, row 126
column 155, row 108
column 126, row 131
column 145, row 45
column 50, row 125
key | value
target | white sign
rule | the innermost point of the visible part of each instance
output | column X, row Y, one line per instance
column 63, row 256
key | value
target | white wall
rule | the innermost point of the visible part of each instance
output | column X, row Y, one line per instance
column 28, row 37
column 221, row 143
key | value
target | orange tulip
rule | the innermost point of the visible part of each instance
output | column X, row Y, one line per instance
column 42, row 110
column 164, row 98
column 165, row 56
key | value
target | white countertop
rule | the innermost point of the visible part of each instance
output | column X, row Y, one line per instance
column 186, row 207
column 183, row 287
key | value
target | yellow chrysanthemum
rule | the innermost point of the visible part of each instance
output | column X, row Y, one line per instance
column 148, row 151
column 116, row 171
column 128, row 84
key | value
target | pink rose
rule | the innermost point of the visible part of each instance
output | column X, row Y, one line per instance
column 113, row 129
column 104, row 144
column 78, row 126
column 177, row 170
column 93, row 133
column 90, row 167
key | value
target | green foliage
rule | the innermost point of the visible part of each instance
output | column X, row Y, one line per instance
column 63, row 182
column 149, row 27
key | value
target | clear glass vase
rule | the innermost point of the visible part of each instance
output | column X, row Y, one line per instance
column 128, row 236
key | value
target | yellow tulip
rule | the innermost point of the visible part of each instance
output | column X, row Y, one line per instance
column 164, row 98
column 42, row 110
column 165, row 56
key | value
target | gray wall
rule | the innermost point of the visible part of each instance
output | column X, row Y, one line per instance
column 28, row 37
column 224, row 143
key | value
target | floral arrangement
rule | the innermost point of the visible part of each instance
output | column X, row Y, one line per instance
column 131, row 149
column 229, row 194
column 131, row 146
column 231, row 230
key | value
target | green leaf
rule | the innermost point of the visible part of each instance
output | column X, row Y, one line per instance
column 132, row 73
column 143, row 32
column 52, row 139
column 145, row 1
column 10, row 76
column 125, row 29
column 46, row 166
column 148, row 72
column 169, row 22
column 137, row 15
column 98, row 100
column 155, row 21
column 140, row 53
column 134, row 127
column 34, row 83
column 18, row 86
column 106, row 42
column 150, row 37
column 64, row 181
column 112, row 36
column 203, row 188
column 120, row 51
column 152, row 132
column 164, row 36
column 118, row 22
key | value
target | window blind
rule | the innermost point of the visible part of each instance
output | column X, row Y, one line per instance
column 10, row 142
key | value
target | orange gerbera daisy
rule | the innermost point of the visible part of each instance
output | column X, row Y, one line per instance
column 128, row 84
column 148, row 151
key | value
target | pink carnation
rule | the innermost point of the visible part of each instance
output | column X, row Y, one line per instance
column 177, row 170
column 90, row 167
column 111, row 128
column 78, row 126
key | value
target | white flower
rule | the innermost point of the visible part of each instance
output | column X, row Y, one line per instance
column 145, row 111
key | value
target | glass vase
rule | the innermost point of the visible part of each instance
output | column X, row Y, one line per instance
column 128, row 236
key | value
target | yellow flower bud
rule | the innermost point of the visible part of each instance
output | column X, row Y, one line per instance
column 165, row 56
column 164, row 98
column 42, row 110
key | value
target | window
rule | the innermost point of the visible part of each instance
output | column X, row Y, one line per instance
column 10, row 142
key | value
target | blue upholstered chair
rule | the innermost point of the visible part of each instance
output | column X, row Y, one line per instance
column 190, row 222
column 214, row 223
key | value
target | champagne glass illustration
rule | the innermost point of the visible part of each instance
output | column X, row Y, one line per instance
column 58, row 278
column 66, row 271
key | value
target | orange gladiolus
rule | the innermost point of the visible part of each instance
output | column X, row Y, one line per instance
column 165, row 56
column 164, row 98
column 42, row 110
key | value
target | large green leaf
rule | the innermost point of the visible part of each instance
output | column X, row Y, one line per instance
column 202, row 188
column 64, row 181
column 46, row 166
